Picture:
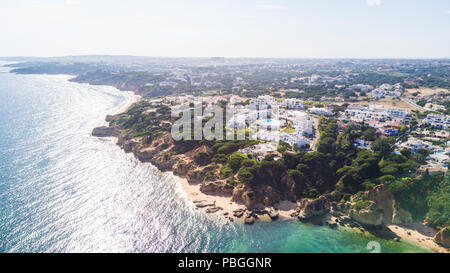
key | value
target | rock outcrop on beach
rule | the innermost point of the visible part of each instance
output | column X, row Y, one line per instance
column 105, row 132
column 383, row 200
column 443, row 237
column 378, row 208
column 308, row 208
column 216, row 187
column 109, row 118
column 367, row 217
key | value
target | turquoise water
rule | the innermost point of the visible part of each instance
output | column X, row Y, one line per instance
column 62, row 190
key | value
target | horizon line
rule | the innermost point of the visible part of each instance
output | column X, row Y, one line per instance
column 208, row 57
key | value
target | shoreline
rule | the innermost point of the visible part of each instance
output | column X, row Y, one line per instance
column 193, row 191
column 132, row 99
column 224, row 207
column 284, row 208
column 418, row 233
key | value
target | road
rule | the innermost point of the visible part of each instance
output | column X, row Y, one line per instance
column 416, row 106
column 398, row 140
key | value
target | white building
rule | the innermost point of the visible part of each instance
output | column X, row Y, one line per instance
column 237, row 122
column 360, row 113
column 416, row 145
column 441, row 158
column 262, row 102
column 435, row 107
column 388, row 90
column 295, row 104
column 320, row 111
column 438, row 121
column 398, row 113
column 303, row 124
column 294, row 139
column 360, row 87
column 273, row 136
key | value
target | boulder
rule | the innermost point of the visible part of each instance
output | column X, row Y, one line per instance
column 294, row 214
column 274, row 215
column 238, row 214
column 212, row 210
column 249, row 220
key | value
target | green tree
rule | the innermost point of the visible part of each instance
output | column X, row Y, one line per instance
column 382, row 146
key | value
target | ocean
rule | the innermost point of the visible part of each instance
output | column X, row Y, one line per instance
column 62, row 190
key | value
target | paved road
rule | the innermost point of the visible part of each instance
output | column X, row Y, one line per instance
column 398, row 140
column 415, row 105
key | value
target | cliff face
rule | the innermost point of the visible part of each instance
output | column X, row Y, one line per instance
column 161, row 152
column 383, row 202
column 380, row 209
column 443, row 237
column 367, row 217
column 379, row 204
column 105, row 132
column 309, row 208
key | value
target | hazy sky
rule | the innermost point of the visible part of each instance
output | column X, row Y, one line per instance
column 230, row 28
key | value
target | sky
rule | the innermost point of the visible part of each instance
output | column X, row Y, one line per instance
column 228, row 28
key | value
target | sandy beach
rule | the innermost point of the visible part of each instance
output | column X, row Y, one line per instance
column 418, row 233
column 284, row 208
column 132, row 99
column 221, row 201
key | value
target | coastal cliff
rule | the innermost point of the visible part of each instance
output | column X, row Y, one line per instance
column 105, row 132
column 309, row 180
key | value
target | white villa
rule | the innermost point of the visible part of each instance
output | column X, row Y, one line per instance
column 398, row 113
column 438, row 121
column 388, row 90
column 416, row 145
column 375, row 112
column 262, row 102
column 295, row 104
column 360, row 113
column 360, row 87
column 320, row 111
column 294, row 139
